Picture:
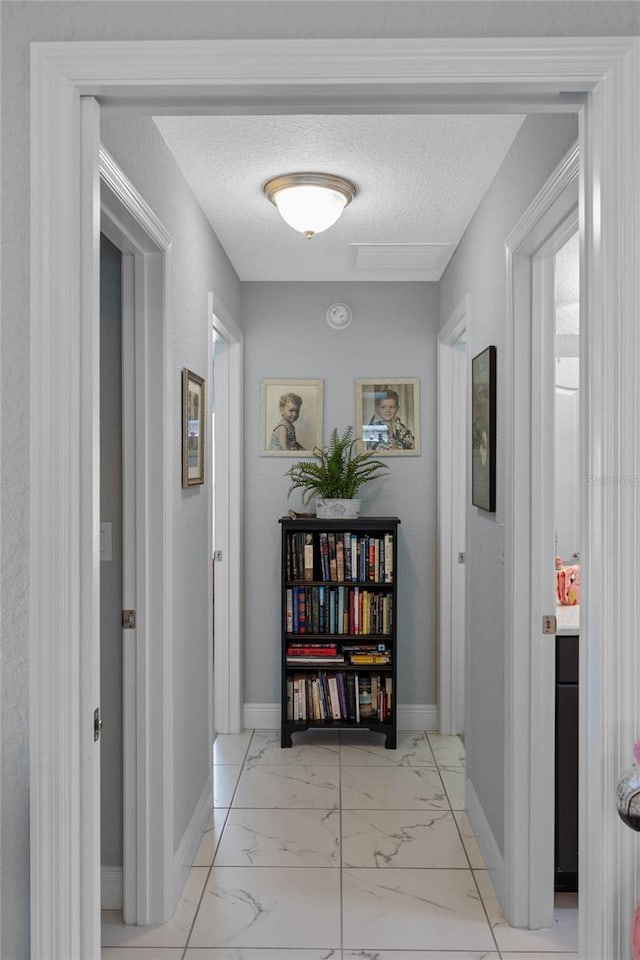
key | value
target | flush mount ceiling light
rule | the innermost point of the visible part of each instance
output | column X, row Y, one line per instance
column 310, row 202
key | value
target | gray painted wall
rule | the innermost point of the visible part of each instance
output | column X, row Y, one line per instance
column 477, row 268
column 23, row 22
column 198, row 265
column 392, row 335
column 111, row 570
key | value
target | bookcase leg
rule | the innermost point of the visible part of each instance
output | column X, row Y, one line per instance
column 390, row 742
column 285, row 739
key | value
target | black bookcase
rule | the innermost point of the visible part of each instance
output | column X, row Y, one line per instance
column 339, row 625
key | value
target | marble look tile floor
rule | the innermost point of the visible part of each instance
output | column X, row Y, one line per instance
column 338, row 849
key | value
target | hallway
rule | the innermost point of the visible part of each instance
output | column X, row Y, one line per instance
column 338, row 849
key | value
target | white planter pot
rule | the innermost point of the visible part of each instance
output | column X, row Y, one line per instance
column 338, row 509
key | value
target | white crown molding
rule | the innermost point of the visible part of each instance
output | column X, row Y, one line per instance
column 114, row 178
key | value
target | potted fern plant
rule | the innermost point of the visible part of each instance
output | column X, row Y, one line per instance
column 335, row 476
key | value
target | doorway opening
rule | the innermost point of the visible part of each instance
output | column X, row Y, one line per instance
column 111, row 575
column 144, row 832
column 453, row 399
column 530, row 607
column 567, row 541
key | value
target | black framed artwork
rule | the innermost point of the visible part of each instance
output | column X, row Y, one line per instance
column 483, row 430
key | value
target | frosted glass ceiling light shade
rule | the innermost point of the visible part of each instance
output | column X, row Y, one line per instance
column 310, row 202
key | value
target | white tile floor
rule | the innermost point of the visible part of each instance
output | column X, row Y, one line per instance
column 338, row 849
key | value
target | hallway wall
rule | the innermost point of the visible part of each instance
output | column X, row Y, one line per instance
column 477, row 268
column 198, row 265
column 393, row 334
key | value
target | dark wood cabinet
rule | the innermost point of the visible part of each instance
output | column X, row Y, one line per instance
column 566, row 763
column 339, row 625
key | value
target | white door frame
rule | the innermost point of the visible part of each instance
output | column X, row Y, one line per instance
column 134, row 228
column 529, row 483
column 357, row 75
column 453, row 381
column 228, row 626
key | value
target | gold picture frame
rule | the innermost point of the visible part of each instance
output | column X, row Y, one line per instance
column 290, row 417
column 396, row 434
column 193, row 432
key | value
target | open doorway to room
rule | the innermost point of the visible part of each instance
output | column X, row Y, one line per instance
column 226, row 364
column 111, row 575
column 537, row 277
column 567, row 559
column 453, row 394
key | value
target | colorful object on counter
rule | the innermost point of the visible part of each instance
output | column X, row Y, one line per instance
column 635, row 934
column 568, row 586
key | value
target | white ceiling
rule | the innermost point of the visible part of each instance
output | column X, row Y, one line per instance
column 419, row 179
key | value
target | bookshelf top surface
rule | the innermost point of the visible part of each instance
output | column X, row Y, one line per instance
column 355, row 523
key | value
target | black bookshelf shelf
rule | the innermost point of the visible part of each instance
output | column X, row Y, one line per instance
column 339, row 597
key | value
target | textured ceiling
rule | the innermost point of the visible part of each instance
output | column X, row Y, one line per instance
column 419, row 179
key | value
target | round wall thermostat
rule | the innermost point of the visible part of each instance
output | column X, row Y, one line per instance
column 339, row 315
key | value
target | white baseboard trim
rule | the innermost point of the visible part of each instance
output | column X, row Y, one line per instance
column 486, row 841
column 110, row 888
column 411, row 716
column 261, row 716
column 417, row 716
column 190, row 843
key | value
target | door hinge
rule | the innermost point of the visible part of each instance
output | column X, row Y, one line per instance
column 217, row 554
column 97, row 723
column 462, row 558
column 549, row 623
column 128, row 619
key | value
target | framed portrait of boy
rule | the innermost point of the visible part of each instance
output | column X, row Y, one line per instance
column 388, row 416
column 290, row 417
column 483, row 430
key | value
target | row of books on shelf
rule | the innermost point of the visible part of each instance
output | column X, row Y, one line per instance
column 339, row 556
column 354, row 697
column 338, row 610
column 299, row 654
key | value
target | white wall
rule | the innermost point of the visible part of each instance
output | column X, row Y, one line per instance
column 393, row 334
column 478, row 268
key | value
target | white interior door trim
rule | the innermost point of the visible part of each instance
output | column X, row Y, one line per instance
column 148, row 858
column 452, row 402
column 228, row 612
column 530, row 656
column 604, row 74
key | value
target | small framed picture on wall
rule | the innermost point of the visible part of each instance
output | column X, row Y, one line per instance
column 290, row 417
column 388, row 415
column 483, row 430
column 192, row 428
